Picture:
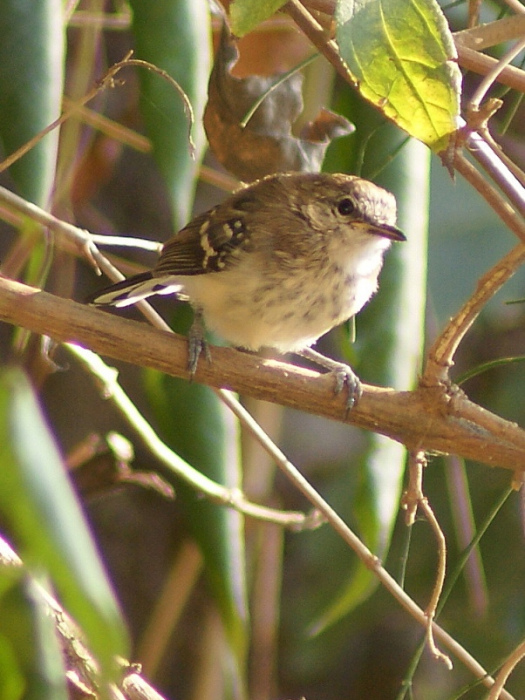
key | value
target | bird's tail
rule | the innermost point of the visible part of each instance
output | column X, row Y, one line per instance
column 131, row 290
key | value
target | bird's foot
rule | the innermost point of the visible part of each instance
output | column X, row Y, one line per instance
column 343, row 374
column 197, row 344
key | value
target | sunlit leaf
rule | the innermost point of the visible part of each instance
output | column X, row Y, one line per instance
column 401, row 54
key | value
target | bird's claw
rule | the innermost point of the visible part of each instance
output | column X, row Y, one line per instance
column 344, row 376
column 197, row 344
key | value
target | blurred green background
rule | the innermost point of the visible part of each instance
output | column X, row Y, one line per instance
column 250, row 599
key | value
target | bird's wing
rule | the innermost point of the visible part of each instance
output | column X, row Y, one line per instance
column 209, row 243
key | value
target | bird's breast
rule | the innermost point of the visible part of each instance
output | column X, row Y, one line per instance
column 284, row 309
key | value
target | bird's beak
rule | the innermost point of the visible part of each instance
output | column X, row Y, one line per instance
column 387, row 232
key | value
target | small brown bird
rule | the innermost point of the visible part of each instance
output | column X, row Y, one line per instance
column 277, row 264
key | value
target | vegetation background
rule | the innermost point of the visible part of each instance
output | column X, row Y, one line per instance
column 217, row 605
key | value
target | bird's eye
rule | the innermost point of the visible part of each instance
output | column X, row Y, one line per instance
column 346, row 207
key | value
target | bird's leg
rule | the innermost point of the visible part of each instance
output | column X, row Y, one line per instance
column 344, row 375
column 197, row 343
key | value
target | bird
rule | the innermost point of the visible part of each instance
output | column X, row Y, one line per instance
column 277, row 265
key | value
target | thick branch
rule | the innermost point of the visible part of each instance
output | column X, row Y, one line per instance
column 437, row 419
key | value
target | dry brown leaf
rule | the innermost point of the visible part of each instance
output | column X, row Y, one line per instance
column 266, row 144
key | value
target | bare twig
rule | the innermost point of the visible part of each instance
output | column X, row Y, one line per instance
column 508, row 176
column 82, row 671
column 480, row 63
column 485, row 35
column 515, row 5
column 413, row 500
column 441, row 354
column 108, row 80
column 110, row 388
column 318, row 36
column 431, row 608
column 492, row 76
column 510, row 664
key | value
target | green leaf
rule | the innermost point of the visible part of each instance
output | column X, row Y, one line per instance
column 196, row 426
column 174, row 35
column 12, row 676
column 401, row 54
column 31, row 659
column 12, row 681
column 247, row 14
column 31, row 79
column 46, row 522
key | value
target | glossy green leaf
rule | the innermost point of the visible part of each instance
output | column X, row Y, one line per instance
column 46, row 522
column 401, row 54
column 31, row 79
column 202, row 431
column 174, row 35
column 245, row 15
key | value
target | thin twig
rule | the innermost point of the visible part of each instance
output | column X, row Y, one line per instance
column 492, row 76
column 318, row 36
column 413, row 500
column 510, row 664
column 484, row 36
column 433, row 603
column 441, row 354
column 111, row 389
column 82, row 669
column 480, row 63
column 126, row 242
column 498, row 166
column 515, row 5
column 106, row 81
column 373, row 563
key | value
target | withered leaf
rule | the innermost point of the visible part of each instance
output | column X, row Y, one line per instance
column 266, row 144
